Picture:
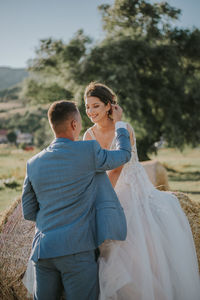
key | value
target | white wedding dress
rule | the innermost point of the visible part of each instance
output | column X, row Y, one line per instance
column 158, row 259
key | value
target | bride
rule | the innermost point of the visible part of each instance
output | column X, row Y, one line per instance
column 158, row 259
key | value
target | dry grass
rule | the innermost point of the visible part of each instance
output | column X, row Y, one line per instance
column 192, row 211
column 10, row 105
column 15, row 243
column 10, row 108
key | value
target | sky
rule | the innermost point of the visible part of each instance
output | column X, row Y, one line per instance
column 24, row 22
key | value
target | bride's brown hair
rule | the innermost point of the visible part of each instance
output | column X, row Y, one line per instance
column 101, row 91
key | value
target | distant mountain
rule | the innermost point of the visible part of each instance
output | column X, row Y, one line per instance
column 11, row 76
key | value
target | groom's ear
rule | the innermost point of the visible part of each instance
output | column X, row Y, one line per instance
column 73, row 124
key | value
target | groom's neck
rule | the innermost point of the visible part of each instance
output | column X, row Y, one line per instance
column 66, row 136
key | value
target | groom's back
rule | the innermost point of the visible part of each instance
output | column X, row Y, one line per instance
column 63, row 179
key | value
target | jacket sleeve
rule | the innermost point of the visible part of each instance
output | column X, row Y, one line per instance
column 111, row 159
column 30, row 205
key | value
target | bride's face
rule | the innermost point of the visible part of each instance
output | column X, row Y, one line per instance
column 96, row 109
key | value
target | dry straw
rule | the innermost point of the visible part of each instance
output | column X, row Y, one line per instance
column 192, row 211
column 16, row 236
column 157, row 174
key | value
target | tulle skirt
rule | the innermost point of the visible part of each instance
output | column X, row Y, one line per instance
column 158, row 259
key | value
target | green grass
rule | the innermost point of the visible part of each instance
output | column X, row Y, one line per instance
column 183, row 170
column 13, row 168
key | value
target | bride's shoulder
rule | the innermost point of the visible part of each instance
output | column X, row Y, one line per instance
column 89, row 135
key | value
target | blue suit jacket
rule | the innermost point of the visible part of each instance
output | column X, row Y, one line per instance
column 67, row 192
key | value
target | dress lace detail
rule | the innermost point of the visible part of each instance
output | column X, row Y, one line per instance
column 158, row 259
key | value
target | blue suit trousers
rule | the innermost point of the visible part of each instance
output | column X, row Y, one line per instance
column 77, row 273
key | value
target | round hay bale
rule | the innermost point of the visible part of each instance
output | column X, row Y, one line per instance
column 157, row 174
column 16, row 236
column 192, row 211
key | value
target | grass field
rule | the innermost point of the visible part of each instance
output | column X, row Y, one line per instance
column 12, row 172
column 183, row 171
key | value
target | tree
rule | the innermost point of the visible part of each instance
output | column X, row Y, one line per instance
column 11, row 136
column 43, row 92
column 44, row 135
column 59, row 62
column 151, row 65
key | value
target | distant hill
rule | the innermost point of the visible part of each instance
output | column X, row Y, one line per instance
column 10, row 77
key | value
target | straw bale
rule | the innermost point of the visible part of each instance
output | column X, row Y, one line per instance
column 192, row 211
column 157, row 174
column 16, row 236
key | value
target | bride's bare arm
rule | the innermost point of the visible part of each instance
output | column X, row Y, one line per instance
column 114, row 174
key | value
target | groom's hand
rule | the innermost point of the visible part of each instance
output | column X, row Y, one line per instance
column 116, row 113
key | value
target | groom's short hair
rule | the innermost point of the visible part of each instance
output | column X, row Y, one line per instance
column 61, row 111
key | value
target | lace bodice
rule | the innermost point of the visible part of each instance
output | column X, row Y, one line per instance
column 133, row 172
column 134, row 156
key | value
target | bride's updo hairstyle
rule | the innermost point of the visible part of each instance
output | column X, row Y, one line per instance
column 101, row 91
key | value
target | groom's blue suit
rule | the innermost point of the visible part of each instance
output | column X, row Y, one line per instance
column 67, row 192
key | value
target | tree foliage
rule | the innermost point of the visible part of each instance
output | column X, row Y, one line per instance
column 152, row 65
column 37, row 92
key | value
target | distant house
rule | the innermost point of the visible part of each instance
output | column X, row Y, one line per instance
column 24, row 138
column 3, row 136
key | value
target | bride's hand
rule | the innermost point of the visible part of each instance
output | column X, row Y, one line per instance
column 116, row 113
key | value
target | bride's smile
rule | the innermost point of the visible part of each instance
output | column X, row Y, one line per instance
column 96, row 109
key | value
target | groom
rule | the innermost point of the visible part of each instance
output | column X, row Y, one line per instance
column 68, row 194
